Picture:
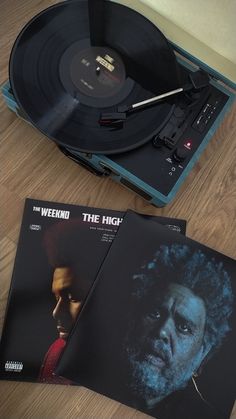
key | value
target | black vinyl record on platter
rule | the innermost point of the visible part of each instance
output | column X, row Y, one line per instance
column 80, row 58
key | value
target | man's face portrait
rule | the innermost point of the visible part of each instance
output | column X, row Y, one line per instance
column 171, row 349
column 181, row 304
column 68, row 303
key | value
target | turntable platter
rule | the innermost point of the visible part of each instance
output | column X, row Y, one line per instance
column 65, row 71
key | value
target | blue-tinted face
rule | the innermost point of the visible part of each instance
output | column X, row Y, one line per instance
column 164, row 358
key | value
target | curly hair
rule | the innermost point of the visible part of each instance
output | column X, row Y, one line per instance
column 67, row 243
column 204, row 276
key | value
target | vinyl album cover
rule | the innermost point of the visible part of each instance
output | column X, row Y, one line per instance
column 157, row 330
column 59, row 252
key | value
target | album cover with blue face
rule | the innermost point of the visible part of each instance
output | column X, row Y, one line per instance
column 60, row 250
column 157, row 330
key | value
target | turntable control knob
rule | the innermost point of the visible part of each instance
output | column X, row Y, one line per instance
column 180, row 154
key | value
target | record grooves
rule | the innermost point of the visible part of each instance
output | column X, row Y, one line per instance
column 65, row 71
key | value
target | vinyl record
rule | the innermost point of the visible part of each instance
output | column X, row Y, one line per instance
column 80, row 58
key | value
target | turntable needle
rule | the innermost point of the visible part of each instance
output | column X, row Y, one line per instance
column 197, row 80
column 154, row 99
column 117, row 118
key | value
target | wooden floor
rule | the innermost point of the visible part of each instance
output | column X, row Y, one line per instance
column 32, row 166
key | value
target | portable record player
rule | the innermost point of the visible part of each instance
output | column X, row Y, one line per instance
column 145, row 134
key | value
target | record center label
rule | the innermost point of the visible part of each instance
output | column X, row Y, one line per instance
column 97, row 72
